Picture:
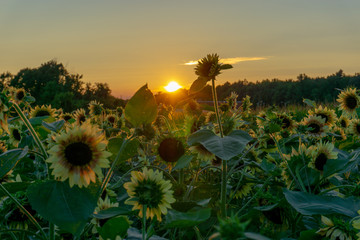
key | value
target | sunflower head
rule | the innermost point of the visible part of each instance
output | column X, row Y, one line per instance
column 321, row 154
column 95, row 108
column 315, row 126
column 232, row 100
column 354, row 127
column 202, row 153
column 336, row 228
column 111, row 118
column 15, row 134
column 349, row 101
column 66, row 116
column 343, row 121
column 327, row 114
column 79, row 155
column 44, row 110
column 208, row 67
column 170, row 149
column 18, row 94
column 80, row 116
column 149, row 189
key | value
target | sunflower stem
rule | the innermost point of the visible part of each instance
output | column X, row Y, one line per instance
column 18, row 204
column 31, row 129
column 224, row 163
column 144, row 223
column 51, row 231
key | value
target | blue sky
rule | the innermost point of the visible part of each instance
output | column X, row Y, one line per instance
column 130, row 43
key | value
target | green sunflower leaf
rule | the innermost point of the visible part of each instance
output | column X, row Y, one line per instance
column 68, row 208
column 226, row 147
column 226, row 66
column 9, row 159
column 309, row 102
column 54, row 126
column 141, row 108
column 309, row 204
column 198, row 85
column 129, row 149
column 115, row 227
column 183, row 162
column 13, row 187
column 111, row 212
column 187, row 219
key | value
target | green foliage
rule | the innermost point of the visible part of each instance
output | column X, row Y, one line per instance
column 188, row 219
column 9, row 159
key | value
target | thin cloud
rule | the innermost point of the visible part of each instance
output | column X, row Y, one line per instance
column 231, row 60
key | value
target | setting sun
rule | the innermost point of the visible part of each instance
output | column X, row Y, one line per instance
column 172, row 86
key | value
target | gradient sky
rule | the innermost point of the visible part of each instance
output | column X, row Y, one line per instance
column 129, row 43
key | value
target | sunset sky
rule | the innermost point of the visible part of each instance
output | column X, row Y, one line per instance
column 129, row 43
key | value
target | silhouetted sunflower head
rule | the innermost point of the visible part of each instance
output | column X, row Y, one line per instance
column 44, row 110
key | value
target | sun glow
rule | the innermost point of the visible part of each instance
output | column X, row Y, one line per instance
column 172, row 86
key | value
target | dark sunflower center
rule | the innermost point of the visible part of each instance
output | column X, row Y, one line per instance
column 315, row 128
column 111, row 119
column 81, row 119
column 16, row 134
column 171, row 149
column 343, row 123
column 270, row 142
column 285, row 122
column 20, row 95
column 149, row 193
column 78, row 154
column 323, row 116
column 67, row 117
column 42, row 113
column 358, row 128
column 351, row 102
column 320, row 161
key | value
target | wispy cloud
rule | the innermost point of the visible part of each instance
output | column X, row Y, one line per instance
column 231, row 60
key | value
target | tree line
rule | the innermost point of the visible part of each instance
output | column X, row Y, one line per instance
column 52, row 84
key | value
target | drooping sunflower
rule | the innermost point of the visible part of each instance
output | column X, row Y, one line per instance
column 327, row 114
column 354, row 127
column 44, row 110
column 349, row 101
column 80, row 116
column 202, row 153
column 241, row 186
column 95, row 108
column 78, row 155
column 316, row 126
column 321, row 154
column 148, row 188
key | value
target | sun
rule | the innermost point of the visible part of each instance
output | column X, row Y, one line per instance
column 172, row 86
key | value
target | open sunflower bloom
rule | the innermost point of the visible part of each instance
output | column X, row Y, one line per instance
column 150, row 189
column 79, row 155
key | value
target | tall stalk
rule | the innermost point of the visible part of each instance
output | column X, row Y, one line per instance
column 224, row 163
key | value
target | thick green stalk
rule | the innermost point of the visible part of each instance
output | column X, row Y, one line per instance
column 224, row 163
column 18, row 204
column 144, row 223
column 31, row 129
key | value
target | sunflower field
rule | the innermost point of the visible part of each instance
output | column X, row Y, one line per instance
column 150, row 171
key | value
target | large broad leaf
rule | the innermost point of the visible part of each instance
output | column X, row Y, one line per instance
column 226, row 147
column 9, row 159
column 188, row 219
column 68, row 208
column 129, row 148
column 54, row 126
column 198, row 85
column 141, row 108
column 183, row 162
column 115, row 227
column 309, row 204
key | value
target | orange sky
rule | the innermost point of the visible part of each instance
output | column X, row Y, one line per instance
column 130, row 43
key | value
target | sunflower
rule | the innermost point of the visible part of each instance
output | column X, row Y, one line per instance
column 336, row 229
column 202, row 153
column 170, row 149
column 246, row 106
column 15, row 134
column 232, row 100
column 354, row 127
column 44, row 110
column 102, row 205
column 80, row 116
column 343, row 121
column 18, row 94
column 78, row 155
column 349, row 101
column 148, row 188
column 316, row 126
column 66, row 116
column 110, row 118
column 327, row 114
column 242, row 188
column 287, row 123
column 208, row 67
column 321, row 154
column 95, row 108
